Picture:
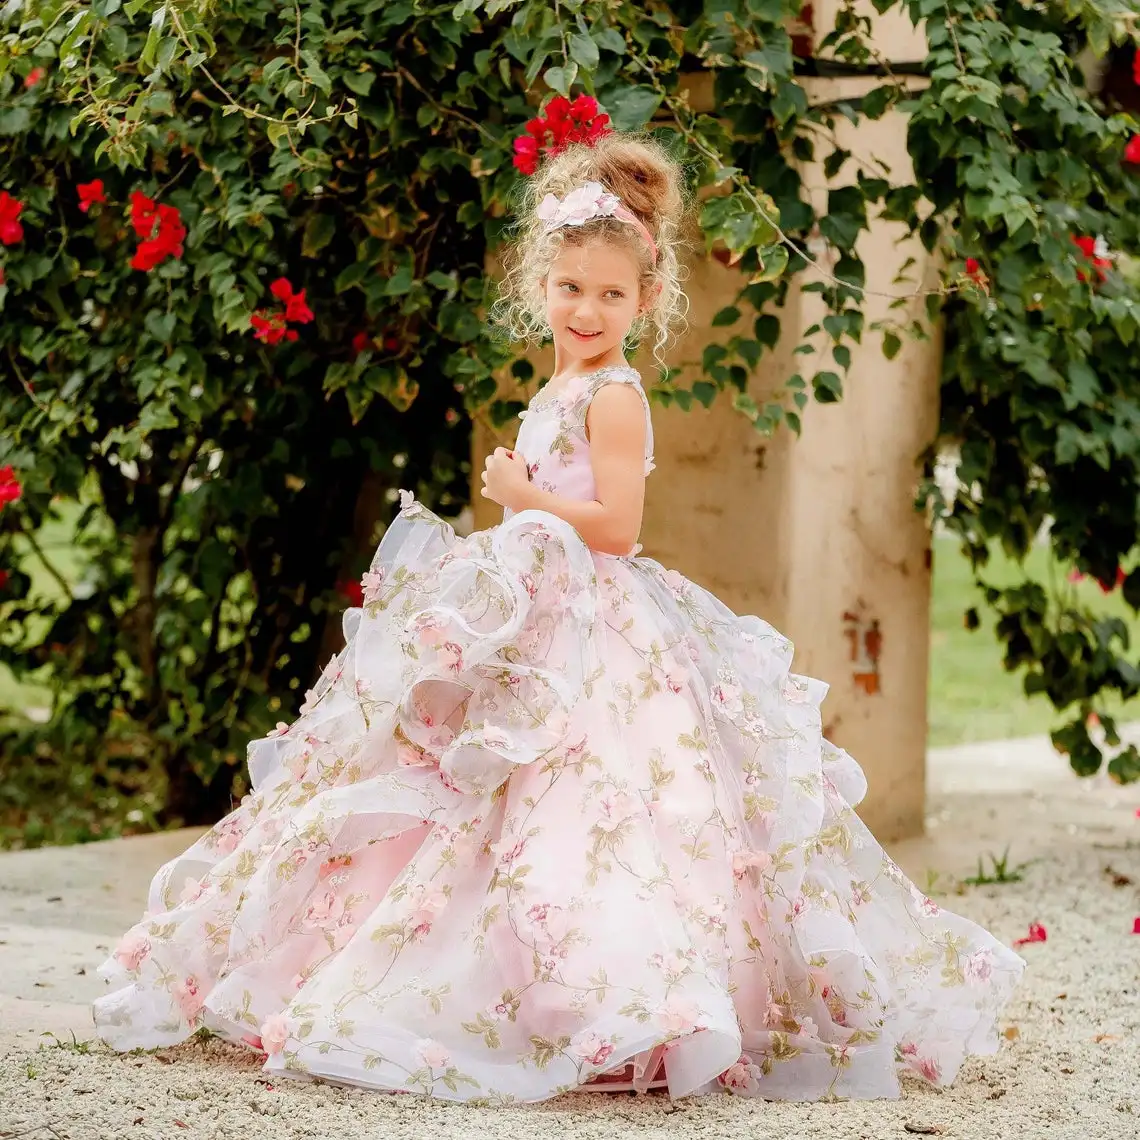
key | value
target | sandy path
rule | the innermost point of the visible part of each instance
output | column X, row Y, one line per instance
column 1069, row 1069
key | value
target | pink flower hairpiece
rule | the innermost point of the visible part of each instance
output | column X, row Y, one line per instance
column 583, row 204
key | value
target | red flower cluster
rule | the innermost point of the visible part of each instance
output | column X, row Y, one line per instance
column 1087, row 246
column 90, row 193
column 272, row 327
column 565, row 123
column 1132, row 150
column 11, row 231
column 10, row 489
column 33, row 77
column 155, row 247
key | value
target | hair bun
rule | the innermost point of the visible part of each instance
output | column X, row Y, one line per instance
column 639, row 170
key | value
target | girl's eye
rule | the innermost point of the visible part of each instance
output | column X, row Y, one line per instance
column 616, row 293
column 569, row 285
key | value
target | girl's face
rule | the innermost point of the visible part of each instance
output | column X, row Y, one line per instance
column 592, row 297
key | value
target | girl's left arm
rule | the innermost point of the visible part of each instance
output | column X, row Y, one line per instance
column 611, row 522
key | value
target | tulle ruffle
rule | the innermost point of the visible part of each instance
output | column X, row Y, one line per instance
column 548, row 813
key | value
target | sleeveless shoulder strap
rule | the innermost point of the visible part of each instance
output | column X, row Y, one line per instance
column 632, row 379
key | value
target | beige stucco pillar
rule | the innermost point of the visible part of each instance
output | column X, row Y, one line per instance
column 819, row 534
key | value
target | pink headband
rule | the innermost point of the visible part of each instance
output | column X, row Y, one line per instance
column 584, row 204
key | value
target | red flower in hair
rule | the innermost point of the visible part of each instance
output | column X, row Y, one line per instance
column 90, row 193
column 1132, row 150
column 526, row 154
column 11, row 231
column 565, row 123
column 10, row 489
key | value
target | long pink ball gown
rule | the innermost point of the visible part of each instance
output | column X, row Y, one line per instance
column 548, row 814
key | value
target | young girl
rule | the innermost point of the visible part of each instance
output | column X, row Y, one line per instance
column 555, row 816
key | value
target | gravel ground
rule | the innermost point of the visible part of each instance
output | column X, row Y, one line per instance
column 1069, row 1066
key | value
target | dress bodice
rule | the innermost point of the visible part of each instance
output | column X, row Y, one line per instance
column 553, row 439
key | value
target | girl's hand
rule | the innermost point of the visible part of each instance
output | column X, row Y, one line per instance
column 505, row 478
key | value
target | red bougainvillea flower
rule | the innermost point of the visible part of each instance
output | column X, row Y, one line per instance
column 155, row 247
column 11, row 231
column 144, row 210
column 1094, row 252
column 10, row 489
column 1136, row 926
column 362, row 342
column 1132, row 150
column 353, row 592
column 1136, row 67
column 564, row 123
column 3, row 579
column 33, row 77
column 90, row 193
column 1036, row 934
column 296, row 310
column 976, row 275
column 271, row 328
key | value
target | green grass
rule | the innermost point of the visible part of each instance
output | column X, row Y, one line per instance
column 971, row 697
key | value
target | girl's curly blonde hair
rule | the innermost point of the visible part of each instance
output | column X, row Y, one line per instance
column 642, row 173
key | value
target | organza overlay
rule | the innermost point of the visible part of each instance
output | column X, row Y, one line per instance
column 550, row 812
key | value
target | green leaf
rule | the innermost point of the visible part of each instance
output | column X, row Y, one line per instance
column 15, row 121
column 767, row 329
column 319, row 232
column 560, row 79
column 359, row 82
column 1124, row 768
column 584, row 51
column 351, row 275
column 891, row 345
column 704, row 392
column 773, row 262
column 630, row 108
column 827, row 386
column 729, row 315
column 610, row 39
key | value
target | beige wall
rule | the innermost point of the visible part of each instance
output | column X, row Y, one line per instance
column 818, row 535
